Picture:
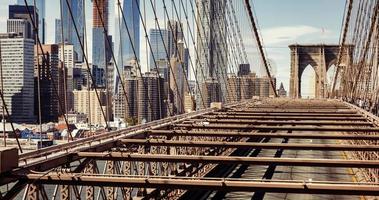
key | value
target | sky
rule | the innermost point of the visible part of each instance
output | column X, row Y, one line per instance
column 281, row 23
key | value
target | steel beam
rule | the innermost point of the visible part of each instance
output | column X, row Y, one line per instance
column 300, row 187
column 295, row 111
column 271, row 128
column 263, row 135
column 287, row 114
column 120, row 156
column 288, row 107
column 292, row 122
column 284, row 117
column 255, row 145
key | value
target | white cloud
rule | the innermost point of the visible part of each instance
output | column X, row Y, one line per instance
column 276, row 41
column 287, row 34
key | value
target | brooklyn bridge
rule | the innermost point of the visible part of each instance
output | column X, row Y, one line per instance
column 199, row 124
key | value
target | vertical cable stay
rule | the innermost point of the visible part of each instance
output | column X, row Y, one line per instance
column 229, row 38
column 360, row 35
column 366, row 50
column 36, row 32
column 63, row 63
column 195, row 22
column 222, row 55
column 122, row 58
column 239, row 32
column 214, row 37
column 209, row 58
column 88, row 76
column 241, row 52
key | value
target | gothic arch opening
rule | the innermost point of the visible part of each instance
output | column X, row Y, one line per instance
column 308, row 83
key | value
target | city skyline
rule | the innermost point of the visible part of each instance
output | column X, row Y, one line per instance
column 117, row 58
column 189, row 99
column 306, row 26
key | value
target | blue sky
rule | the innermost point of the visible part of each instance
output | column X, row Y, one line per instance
column 282, row 22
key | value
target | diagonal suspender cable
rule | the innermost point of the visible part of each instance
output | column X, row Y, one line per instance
column 105, row 31
column 210, row 42
column 256, row 34
column 132, row 44
column 342, row 46
column 149, row 44
column 45, row 60
column 364, row 56
column 87, row 63
column 175, row 41
column 186, row 44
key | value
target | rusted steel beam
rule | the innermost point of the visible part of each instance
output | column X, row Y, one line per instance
column 230, row 185
column 292, row 122
column 247, row 145
column 284, row 117
column 321, row 107
column 263, row 135
column 294, row 111
column 286, row 114
column 293, row 128
column 120, row 156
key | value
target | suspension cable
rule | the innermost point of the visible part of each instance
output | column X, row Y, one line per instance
column 255, row 31
column 133, row 47
column 45, row 60
column 87, row 63
column 109, row 43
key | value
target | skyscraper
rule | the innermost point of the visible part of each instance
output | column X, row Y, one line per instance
column 40, row 5
column 100, row 47
column 69, row 33
column 177, row 85
column 20, row 12
column 175, row 36
column 17, row 55
column 86, row 102
column 123, row 43
column 69, row 63
column 58, row 31
column 145, row 101
column 126, row 48
column 21, row 26
column 281, row 91
column 48, row 75
column 234, row 85
column 158, row 46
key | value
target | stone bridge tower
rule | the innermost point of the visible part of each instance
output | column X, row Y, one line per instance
column 321, row 57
